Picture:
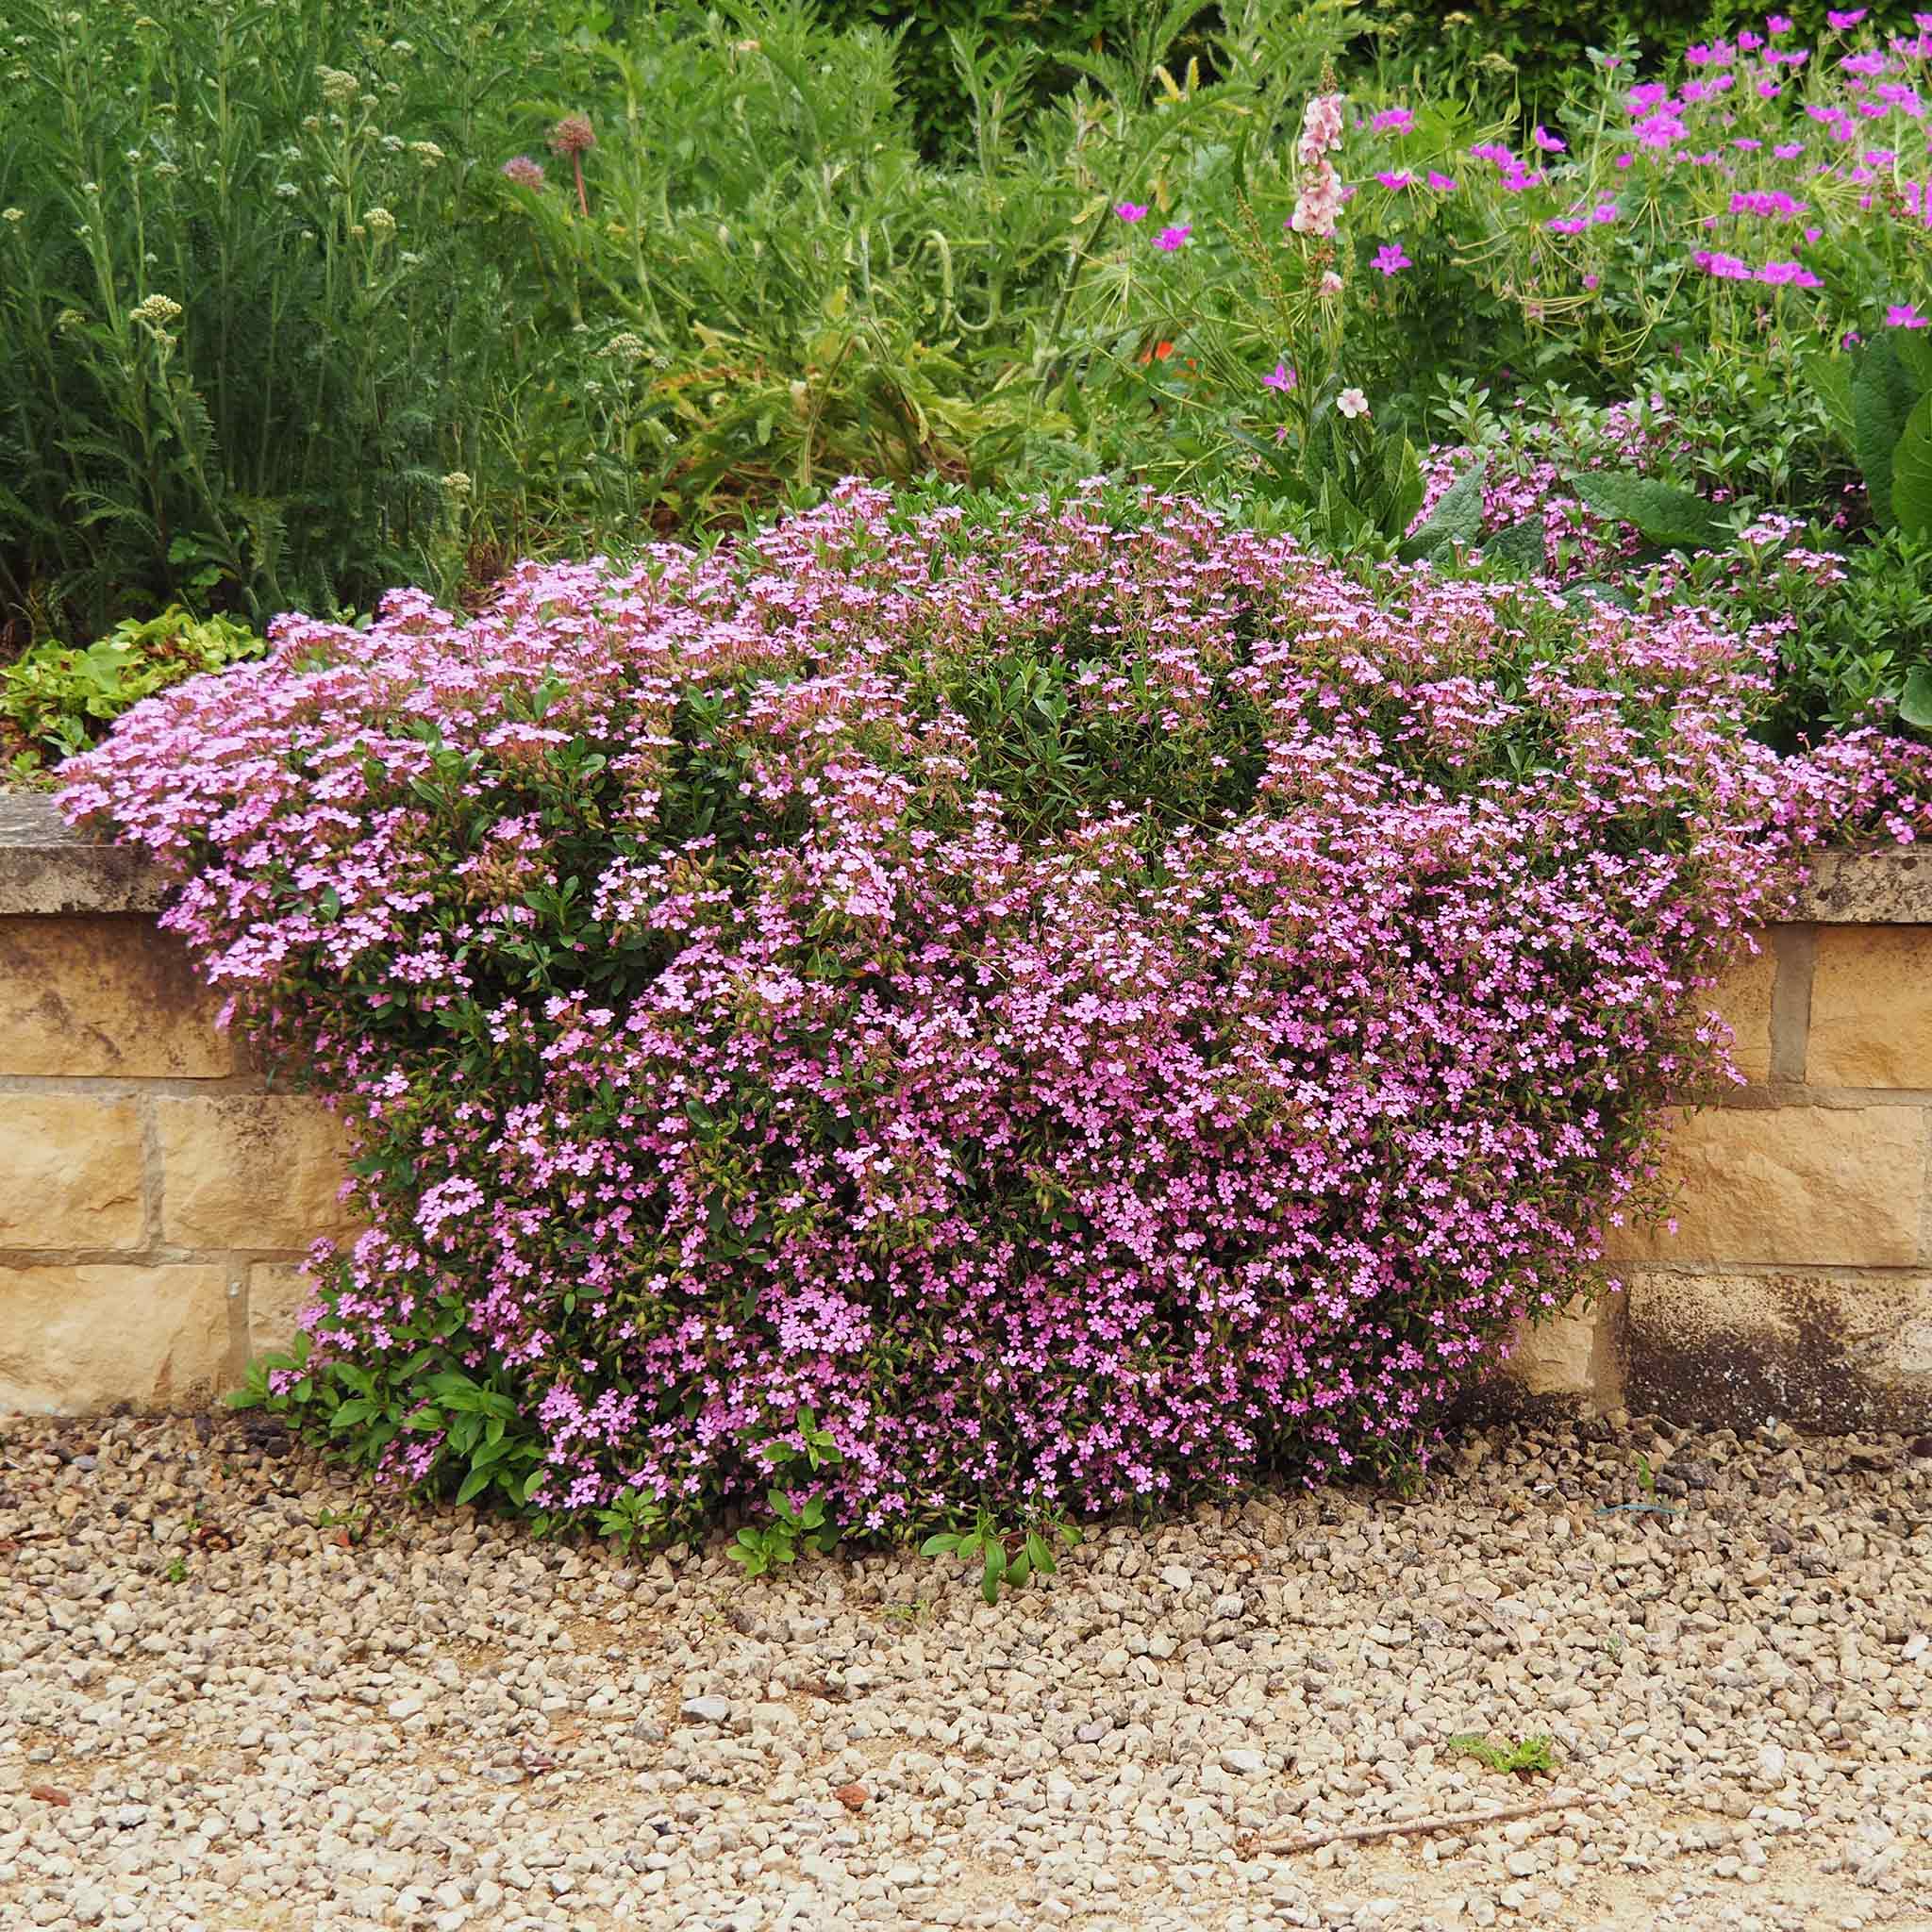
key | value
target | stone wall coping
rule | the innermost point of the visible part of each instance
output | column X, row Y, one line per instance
column 46, row 867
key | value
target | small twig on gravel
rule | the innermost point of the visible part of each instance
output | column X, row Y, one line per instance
column 1453, row 1821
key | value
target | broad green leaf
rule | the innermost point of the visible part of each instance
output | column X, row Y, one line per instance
column 1519, row 547
column 1911, row 471
column 1913, row 348
column 1915, row 707
column 1663, row 514
column 1457, row 516
column 474, row 1484
column 1830, row 377
column 1882, row 399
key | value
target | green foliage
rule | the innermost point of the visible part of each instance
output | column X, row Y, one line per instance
column 245, row 328
column 1525, row 1756
column 54, row 699
column 761, row 1548
column 1004, row 1559
column 1663, row 515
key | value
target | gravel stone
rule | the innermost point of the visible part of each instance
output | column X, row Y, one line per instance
column 339, row 1711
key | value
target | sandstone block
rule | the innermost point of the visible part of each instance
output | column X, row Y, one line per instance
column 249, row 1171
column 1817, row 1351
column 71, row 1173
column 278, row 1292
column 1743, row 999
column 104, row 997
column 1871, row 1008
column 1563, row 1353
column 1794, row 1186
column 73, row 1341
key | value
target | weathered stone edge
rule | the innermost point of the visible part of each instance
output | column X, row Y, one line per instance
column 48, row 868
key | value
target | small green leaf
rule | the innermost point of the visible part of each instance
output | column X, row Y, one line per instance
column 474, row 1484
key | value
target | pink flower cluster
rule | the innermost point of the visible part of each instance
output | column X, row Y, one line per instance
column 1091, row 1002
column 1318, row 205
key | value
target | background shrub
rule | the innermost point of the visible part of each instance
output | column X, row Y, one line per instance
column 966, row 1009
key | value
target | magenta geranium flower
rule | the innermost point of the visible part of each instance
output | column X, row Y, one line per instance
column 1391, row 260
column 1907, row 315
column 1170, row 239
column 1130, row 211
column 1550, row 143
column 1283, row 378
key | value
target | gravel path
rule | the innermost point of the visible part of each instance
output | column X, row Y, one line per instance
column 223, row 1706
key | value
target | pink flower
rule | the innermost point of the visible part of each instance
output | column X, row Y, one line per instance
column 524, row 170
column 1352, row 403
column 1397, row 182
column 1395, row 119
column 1330, row 283
column 1776, row 24
column 1130, row 211
column 1907, row 315
column 1550, row 143
column 1391, row 260
column 1170, row 239
column 1283, row 378
column 1842, row 22
column 1442, row 184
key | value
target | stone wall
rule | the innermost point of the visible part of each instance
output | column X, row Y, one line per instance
column 156, row 1194
column 1797, row 1282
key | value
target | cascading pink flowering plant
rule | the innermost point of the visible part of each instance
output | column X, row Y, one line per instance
column 1071, row 1004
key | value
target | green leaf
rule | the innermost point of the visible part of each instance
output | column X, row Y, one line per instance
column 1518, row 547
column 1831, row 382
column 1402, row 494
column 1675, row 519
column 1913, row 348
column 1581, row 596
column 1457, row 516
column 1911, row 471
column 943, row 1545
column 1040, row 1551
column 1915, row 707
column 1882, row 399
column 474, row 1484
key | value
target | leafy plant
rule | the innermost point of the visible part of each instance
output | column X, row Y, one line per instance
column 1524, row 1758
column 855, row 1060
column 1006, row 1559
column 763, row 1547
column 54, row 699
